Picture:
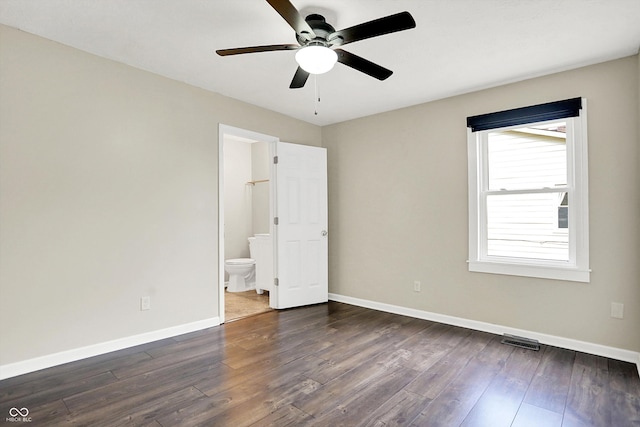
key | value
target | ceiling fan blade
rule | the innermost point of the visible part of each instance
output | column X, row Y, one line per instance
column 358, row 63
column 378, row 27
column 299, row 79
column 293, row 17
column 254, row 49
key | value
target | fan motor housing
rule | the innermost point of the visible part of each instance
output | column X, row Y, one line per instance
column 320, row 27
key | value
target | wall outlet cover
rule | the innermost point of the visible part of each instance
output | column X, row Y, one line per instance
column 617, row 310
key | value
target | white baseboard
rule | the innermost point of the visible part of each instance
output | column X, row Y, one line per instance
column 38, row 363
column 43, row 362
column 570, row 344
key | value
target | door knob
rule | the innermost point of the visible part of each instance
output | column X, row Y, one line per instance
column 324, row 233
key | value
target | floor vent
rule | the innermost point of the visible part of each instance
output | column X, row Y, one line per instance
column 521, row 342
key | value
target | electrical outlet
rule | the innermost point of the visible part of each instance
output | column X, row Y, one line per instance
column 417, row 286
column 145, row 303
column 617, row 310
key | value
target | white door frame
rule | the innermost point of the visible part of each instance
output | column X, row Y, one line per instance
column 243, row 133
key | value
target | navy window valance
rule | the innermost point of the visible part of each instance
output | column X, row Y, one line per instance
column 532, row 114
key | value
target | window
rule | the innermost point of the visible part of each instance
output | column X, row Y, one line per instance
column 528, row 192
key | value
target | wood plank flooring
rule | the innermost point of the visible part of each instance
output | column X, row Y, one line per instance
column 330, row 365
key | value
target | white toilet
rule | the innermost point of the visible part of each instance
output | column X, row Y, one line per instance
column 241, row 274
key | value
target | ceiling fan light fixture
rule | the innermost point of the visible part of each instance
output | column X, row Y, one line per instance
column 316, row 59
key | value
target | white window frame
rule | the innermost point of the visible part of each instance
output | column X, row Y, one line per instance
column 577, row 267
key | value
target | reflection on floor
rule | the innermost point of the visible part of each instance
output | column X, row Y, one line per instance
column 242, row 304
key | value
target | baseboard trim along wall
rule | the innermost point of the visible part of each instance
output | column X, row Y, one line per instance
column 48, row 361
column 570, row 344
column 55, row 359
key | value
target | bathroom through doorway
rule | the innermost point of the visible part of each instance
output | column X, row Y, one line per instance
column 245, row 215
column 294, row 250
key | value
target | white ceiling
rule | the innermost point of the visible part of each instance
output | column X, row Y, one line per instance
column 458, row 46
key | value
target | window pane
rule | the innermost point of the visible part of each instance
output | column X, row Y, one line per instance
column 528, row 157
column 526, row 226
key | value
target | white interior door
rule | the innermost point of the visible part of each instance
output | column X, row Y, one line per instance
column 301, row 240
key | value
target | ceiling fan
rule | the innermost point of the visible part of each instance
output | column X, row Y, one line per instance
column 319, row 43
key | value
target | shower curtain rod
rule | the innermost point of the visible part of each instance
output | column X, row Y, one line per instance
column 258, row 181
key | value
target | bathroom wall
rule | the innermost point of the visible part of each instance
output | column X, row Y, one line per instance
column 260, row 167
column 246, row 206
column 238, row 218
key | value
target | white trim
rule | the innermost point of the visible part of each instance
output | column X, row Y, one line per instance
column 50, row 360
column 568, row 343
column 540, row 271
column 577, row 269
column 221, row 132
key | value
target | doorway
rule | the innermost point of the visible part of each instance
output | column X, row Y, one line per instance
column 244, row 212
column 296, row 218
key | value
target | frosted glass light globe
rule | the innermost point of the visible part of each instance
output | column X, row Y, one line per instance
column 316, row 59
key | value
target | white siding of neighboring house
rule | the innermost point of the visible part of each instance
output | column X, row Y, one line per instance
column 526, row 225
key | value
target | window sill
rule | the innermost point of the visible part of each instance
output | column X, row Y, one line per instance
column 538, row 271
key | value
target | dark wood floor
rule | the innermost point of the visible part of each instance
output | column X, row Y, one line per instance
column 331, row 365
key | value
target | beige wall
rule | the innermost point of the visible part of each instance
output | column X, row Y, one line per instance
column 108, row 192
column 398, row 211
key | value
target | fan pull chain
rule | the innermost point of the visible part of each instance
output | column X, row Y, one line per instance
column 317, row 97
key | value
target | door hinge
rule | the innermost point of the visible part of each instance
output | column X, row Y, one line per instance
column 275, row 220
column 276, row 282
column 275, row 160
